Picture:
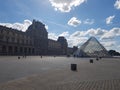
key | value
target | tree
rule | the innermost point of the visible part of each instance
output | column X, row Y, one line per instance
column 113, row 53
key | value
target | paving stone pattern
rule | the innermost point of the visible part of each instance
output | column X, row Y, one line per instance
column 55, row 74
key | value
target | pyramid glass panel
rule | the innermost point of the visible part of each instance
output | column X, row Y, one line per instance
column 92, row 48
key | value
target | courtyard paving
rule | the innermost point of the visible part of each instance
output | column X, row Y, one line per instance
column 53, row 73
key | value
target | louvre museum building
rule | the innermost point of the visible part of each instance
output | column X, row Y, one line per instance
column 32, row 42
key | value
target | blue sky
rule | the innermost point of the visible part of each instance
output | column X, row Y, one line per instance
column 77, row 20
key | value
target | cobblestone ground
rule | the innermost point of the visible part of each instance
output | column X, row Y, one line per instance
column 88, row 85
column 100, row 75
column 60, row 82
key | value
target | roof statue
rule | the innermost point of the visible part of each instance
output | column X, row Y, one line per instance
column 92, row 48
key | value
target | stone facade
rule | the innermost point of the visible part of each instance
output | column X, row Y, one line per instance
column 40, row 35
column 32, row 42
column 14, row 42
column 64, row 45
column 54, row 47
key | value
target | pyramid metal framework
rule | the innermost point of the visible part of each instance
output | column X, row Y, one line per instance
column 92, row 48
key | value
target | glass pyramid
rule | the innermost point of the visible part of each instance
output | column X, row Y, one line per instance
column 92, row 48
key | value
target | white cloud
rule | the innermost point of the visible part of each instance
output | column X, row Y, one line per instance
column 65, row 34
column 117, row 4
column 52, row 36
column 108, row 44
column 95, row 32
column 19, row 26
column 90, row 32
column 109, row 19
column 46, row 26
column 65, row 5
column 76, row 41
column 111, row 45
column 76, row 34
column 88, row 21
column 111, row 33
column 74, row 22
column 119, row 46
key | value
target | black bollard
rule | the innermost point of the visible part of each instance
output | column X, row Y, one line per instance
column 74, row 67
column 18, row 57
column 68, row 55
column 97, row 59
column 91, row 60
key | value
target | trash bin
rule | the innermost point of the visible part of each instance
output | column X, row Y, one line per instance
column 74, row 67
column 91, row 60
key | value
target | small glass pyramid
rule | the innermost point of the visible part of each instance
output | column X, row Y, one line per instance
column 91, row 48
